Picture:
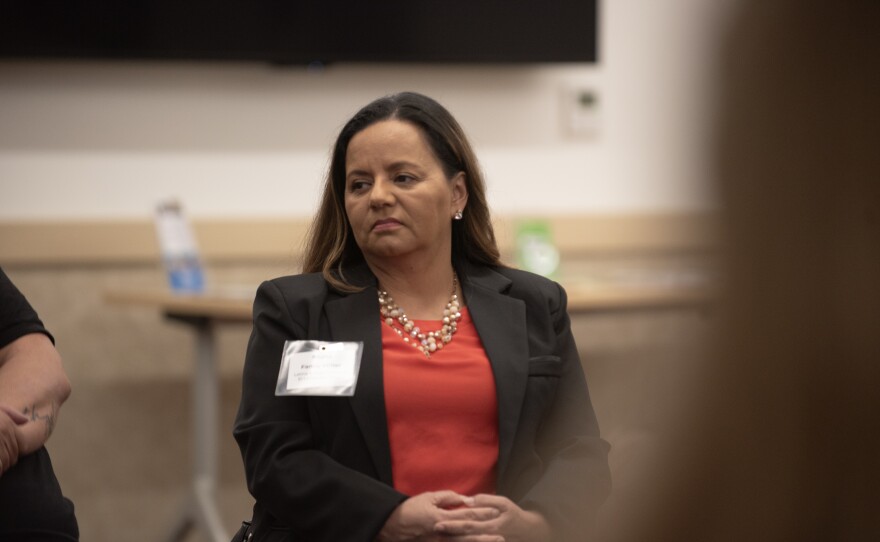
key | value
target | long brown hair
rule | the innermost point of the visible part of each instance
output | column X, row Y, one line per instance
column 330, row 246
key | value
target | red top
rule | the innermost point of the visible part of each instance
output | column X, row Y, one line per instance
column 442, row 413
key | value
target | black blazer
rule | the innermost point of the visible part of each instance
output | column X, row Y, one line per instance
column 320, row 467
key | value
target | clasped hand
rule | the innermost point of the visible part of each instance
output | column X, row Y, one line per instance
column 9, row 437
column 448, row 516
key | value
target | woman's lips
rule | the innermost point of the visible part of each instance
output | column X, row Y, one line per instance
column 386, row 224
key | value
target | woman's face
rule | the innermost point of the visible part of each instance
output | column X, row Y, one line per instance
column 397, row 197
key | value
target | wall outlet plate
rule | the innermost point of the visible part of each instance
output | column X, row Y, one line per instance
column 581, row 106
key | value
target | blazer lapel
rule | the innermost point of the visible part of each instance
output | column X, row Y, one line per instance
column 501, row 323
column 355, row 317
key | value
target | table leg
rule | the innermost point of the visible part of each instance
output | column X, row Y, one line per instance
column 200, row 509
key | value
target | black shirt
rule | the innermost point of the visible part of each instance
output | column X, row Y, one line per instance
column 17, row 317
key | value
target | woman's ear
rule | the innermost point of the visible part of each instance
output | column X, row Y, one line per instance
column 459, row 192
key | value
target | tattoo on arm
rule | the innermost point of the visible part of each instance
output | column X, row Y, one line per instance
column 38, row 413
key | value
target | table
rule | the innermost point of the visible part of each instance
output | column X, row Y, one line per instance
column 597, row 297
column 204, row 311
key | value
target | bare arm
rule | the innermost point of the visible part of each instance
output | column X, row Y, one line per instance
column 33, row 385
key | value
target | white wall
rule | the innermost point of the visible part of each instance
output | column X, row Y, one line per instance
column 89, row 140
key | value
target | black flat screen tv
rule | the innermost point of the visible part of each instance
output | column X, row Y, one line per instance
column 304, row 31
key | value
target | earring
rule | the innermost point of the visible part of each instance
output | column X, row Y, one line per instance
column 458, row 215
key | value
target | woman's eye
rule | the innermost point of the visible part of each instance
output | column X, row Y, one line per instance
column 358, row 186
column 404, row 178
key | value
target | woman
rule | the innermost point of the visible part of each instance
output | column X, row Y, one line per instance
column 471, row 418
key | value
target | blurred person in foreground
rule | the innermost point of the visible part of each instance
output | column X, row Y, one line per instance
column 33, row 385
column 471, row 419
column 782, row 442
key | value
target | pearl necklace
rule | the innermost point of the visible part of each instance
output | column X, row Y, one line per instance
column 426, row 342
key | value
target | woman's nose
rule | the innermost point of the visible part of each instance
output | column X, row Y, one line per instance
column 382, row 192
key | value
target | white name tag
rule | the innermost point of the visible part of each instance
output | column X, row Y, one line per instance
column 319, row 368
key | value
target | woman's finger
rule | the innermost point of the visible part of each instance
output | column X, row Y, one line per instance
column 485, row 513
column 485, row 531
column 494, row 501
column 450, row 499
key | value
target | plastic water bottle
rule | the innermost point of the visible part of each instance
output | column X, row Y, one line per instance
column 180, row 254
